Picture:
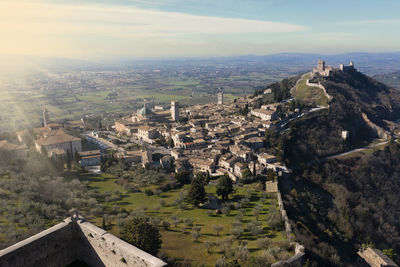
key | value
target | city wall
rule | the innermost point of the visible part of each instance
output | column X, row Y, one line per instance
column 319, row 85
column 74, row 240
column 298, row 258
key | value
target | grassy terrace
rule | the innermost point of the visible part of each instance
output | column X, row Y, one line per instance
column 308, row 94
column 177, row 240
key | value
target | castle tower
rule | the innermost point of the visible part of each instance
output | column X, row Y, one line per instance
column 321, row 65
column 351, row 64
column 45, row 117
column 220, row 98
column 174, row 110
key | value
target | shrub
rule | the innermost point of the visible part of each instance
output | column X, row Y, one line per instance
column 218, row 228
column 148, row 192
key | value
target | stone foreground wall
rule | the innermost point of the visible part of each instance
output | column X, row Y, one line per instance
column 52, row 247
column 101, row 246
column 74, row 240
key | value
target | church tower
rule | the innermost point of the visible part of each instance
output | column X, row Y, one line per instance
column 174, row 110
column 45, row 117
column 220, row 98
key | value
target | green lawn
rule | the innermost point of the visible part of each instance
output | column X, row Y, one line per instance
column 177, row 241
column 308, row 94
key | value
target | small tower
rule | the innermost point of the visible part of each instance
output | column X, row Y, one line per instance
column 45, row 117
column 174, row 110
column 220, row 98
column 321, row 65
column 351, row 64
column 147, row 157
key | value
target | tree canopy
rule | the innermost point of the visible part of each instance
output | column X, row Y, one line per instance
column 139, row 232
column 224, row 187
column 197, row 193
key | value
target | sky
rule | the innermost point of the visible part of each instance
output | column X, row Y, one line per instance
column 115, row 29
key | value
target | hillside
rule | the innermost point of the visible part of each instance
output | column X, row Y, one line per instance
column 319, row 133
column 310, row 95
column 338, row 205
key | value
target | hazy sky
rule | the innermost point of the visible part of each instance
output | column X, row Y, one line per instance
column 106, row 29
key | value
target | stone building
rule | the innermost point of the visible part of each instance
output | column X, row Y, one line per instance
column 175, row 110
column 342, row 67
column 264, row 114
column 90, row 158
column 147, row 158
column 143, row 114
column 375, row 258
column 322, row 68
column 220, row 98
column 61, row 140
column 147, row 133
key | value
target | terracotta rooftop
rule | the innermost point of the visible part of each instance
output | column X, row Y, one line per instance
column 5, row 145
column 56, row 138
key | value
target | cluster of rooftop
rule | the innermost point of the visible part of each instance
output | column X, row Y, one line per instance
column 217, row 139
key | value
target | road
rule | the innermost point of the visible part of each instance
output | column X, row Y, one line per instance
column 356, row 150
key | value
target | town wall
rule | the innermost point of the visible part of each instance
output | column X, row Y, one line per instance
column 74, row 240
column 378, row 130
column 319, row 85
column 298, row 258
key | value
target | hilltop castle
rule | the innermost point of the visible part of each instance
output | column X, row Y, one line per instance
column 324, row 70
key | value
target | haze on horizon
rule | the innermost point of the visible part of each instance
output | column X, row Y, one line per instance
column 105, row 29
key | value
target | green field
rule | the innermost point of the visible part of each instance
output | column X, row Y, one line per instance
column 308, row 94
column 22, row 109
column 177, row 241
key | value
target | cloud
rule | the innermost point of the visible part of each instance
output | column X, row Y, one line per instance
column 38, row 27
column 335, row 36
column 380, row 22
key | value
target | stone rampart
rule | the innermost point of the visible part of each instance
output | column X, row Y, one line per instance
column 112, row 251
column 319, row 85
column 295, row 261
column 378, row 130
column 70, row 241
column 298, row 258
column 55, row 246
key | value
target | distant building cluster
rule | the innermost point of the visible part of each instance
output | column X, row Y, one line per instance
column 206, row 138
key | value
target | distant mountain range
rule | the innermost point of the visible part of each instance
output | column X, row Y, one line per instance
column 369, row 63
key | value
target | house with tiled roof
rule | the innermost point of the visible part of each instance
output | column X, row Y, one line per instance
column 59, row 139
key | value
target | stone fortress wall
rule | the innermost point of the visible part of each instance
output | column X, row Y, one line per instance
column 319, row 85
column 299, row 254
column 72, row 240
